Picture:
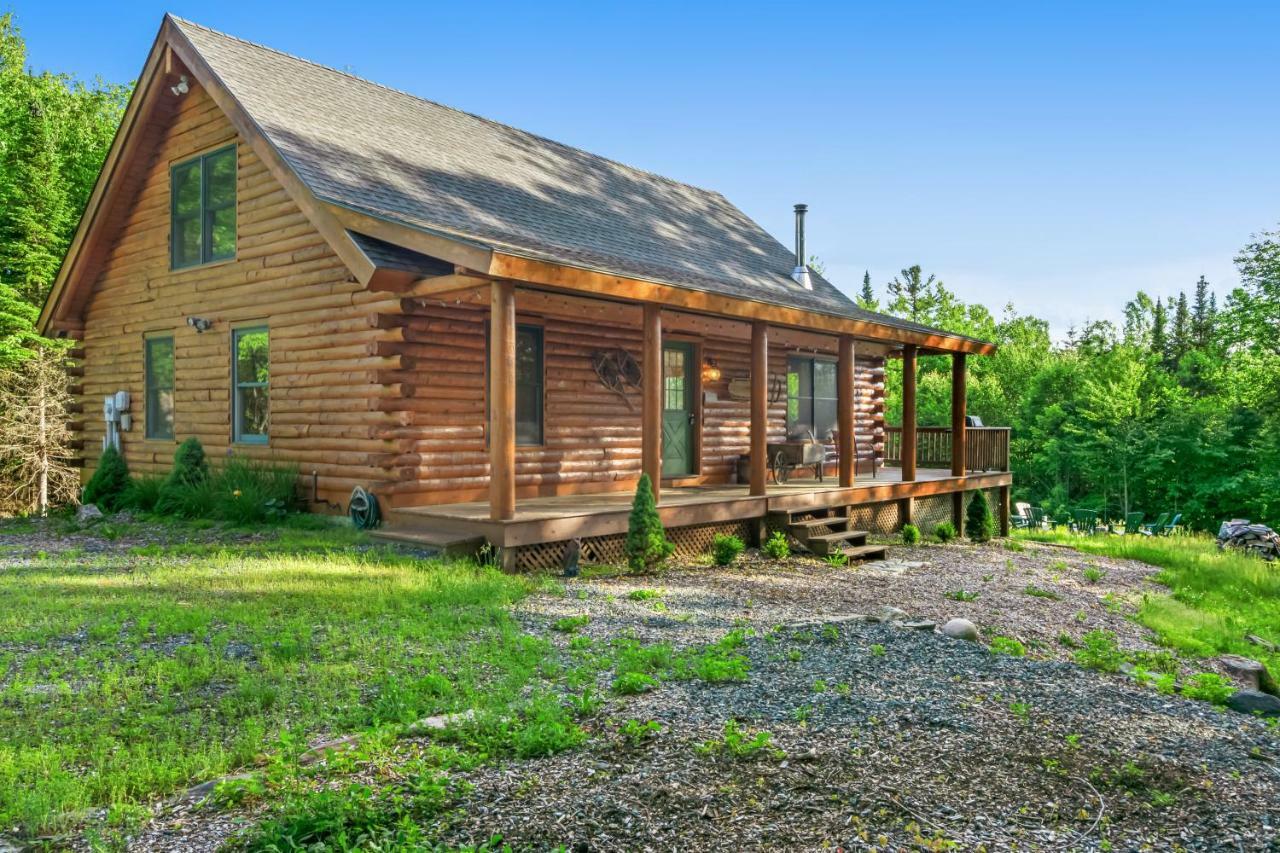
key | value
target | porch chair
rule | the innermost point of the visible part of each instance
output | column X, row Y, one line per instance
column 1084, row 521
column 1038, row 518
column 1174, row 526
column 1133, row 523
column 1155, row 526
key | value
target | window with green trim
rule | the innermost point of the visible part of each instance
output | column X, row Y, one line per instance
column 811, row 398
column 159, row 384
column 203, row 209
column 250, row 372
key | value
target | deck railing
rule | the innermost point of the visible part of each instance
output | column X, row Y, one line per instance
column 987, row 448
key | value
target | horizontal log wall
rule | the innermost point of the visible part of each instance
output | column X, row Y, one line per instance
column 327, row 348
column 592, row 435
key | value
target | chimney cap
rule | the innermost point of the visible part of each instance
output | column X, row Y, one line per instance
column 801, row 208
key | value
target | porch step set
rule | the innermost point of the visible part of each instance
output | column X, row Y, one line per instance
column 826, row 531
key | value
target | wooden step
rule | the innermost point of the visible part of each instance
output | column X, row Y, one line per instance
column 865, row 552
column 810, row 523
column 450, row 542
column 828, row 543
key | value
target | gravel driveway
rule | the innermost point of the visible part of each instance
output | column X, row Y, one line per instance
column 893, row 738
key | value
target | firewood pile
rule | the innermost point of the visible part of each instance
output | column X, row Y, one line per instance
column 1239, row 533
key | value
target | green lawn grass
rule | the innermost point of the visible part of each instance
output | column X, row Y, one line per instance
column 128, row 676
column 1216, row 598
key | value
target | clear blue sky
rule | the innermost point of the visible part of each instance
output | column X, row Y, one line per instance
column 1059, row 156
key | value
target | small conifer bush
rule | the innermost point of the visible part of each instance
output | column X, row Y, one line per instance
column 910, row 534
column 979, row 525
column 109, row 483
column 725, row 549
column 946, row 531
column 190, row 467
column 647, row 547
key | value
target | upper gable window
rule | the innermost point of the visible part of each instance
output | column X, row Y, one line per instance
column 203, row 209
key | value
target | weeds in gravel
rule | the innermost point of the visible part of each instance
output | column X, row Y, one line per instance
column 877, row 650
column 1066, row 640
column 795, row 656
column 1210, row 687
column 571, row 624
column 631, row 683
column 1008, row 646
column 1098, row 650
column 740, row 744
column 1039, row 592
column 1014, row 545
column 837, row 560
column 643, row 594
column 819, row 685
column 962, row 595
column 1021, row 710
column 1093, row 574
column 636, row 732
column 830, row 634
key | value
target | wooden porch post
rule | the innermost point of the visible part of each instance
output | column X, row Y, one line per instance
column 958, row 437
column 759, row 405
column 908, row 413
column 502, row 400
column 651, row 397
column 844, row 411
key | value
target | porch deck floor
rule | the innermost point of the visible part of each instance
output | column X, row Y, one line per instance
column 562, row 506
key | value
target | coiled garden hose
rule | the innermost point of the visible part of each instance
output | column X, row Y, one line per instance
column 363, row 509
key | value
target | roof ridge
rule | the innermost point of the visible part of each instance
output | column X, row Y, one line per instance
column 477, row 116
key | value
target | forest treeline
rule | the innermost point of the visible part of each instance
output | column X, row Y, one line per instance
column 1176, row 409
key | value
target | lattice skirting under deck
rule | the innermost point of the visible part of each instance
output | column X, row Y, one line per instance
column 689, row 542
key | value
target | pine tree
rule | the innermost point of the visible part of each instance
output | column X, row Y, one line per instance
column 914, row 296
column 1159, row 334
column 646, row 546
column 35, row 441
column 867, row 297
column 1180, row 333
column 110, row 480
column 1202, row 316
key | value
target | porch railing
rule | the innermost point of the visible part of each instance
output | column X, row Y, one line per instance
column 987, row 448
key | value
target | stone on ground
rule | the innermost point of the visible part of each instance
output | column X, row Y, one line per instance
column 961, row 629
column 1254, row 702
column 88, row 512
column 888, row 613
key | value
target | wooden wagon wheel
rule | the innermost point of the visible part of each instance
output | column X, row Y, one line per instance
column 781, row 470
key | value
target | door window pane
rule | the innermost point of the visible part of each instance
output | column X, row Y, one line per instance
column 159, row 387
column 673, row 379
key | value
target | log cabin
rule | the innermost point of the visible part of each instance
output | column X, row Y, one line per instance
column 493, row 333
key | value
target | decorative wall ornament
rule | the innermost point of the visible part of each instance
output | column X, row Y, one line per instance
column 618, row 371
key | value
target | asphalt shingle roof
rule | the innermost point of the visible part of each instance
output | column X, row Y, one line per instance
column 396, row 156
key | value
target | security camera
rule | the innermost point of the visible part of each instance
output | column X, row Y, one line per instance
column 200, row 324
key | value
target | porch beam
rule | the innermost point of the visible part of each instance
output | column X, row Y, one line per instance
column 844, row 410
column 759, row 405
column 502, row 401
column 958, row 397
column 651, row 397
column 909, row 413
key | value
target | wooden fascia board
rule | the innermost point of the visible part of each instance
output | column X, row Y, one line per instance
column 463, row 253
column 697, row 301
column 106, row 185
column 330, row 229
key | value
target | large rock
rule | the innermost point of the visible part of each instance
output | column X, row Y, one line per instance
column 1254, row 702
column 87, row 513
column 961, row 629
column 1251, row 674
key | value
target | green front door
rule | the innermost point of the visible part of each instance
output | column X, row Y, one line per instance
column 677, row 410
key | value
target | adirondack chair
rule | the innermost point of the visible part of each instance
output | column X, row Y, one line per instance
column 1133, row 523
column 1171, row 527
column 1084, row 521
column 1022, row 515
column 1038, row 518
column 1155, row 526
